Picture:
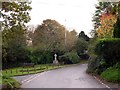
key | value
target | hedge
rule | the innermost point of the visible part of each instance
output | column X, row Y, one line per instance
column 109, row 49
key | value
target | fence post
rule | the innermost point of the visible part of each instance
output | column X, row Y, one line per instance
column 40, row 67
column 46, row 66
column 16, row 70
column 11, row 71
column 22, row 71
column 28, row 70
column 34, row 69
column 6, row 71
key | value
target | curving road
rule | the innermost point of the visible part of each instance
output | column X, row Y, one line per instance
column 68, row 77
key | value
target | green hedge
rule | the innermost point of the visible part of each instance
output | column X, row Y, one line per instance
column 109, row 49
column 40, row 57
column 70, row 58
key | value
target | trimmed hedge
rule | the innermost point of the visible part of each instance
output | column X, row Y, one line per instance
column 109, row 49
column 116, row 32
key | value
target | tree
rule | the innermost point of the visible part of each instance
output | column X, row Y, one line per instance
column 71, row 39
column 14, row 45
column 18, row 13
column 14, row 31
column 111, row 8
column 83, row 36
column 107, row 22
column 0, row 47
column 81, row 47
column 50, row 35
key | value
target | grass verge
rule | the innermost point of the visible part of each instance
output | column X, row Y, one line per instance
column 111, row 75
column 28, row 70
column 9, row 83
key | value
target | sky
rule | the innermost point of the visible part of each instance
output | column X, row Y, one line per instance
column 73, row 14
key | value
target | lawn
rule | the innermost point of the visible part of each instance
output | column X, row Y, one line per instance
column 28, row 70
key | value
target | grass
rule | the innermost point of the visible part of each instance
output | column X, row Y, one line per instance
column 28, row 70
column 9, row 82
column 111, row 75
column 0, row 79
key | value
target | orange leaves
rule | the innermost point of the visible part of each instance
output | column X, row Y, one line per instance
column 106, row 29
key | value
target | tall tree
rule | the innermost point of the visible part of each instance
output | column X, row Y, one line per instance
column 51, row 34
column 82, row 45
column 107, row 22
column 104, row 8
column 71, row 39
column 83, row 36
column 15, row 15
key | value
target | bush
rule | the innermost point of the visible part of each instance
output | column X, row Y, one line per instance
column 111, row 74
column 64, row 60
column 69, row 58
column 96, row 65
column 93, row 61
column 109, row 49
column 92, row 64
column 81, row 46
column 84, row 56
column 41, row 57
column 10, row 83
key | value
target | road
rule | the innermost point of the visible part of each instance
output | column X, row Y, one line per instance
column 68, row 77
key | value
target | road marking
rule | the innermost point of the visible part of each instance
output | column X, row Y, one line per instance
column 28, row 79
column 33, row 77
column 102, row 83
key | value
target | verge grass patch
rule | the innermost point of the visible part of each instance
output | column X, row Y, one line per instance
column 112, row 75
column 28, row 70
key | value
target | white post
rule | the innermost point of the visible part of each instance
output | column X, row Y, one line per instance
column 55, row 61
column 55, row 57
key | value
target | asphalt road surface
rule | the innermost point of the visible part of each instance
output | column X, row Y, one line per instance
column 68, row 77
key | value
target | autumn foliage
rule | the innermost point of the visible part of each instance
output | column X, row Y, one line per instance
column 107, row 21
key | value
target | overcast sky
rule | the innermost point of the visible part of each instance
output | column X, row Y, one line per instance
column 77, row 13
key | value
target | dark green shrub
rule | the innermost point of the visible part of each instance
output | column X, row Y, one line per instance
column 64, row 60
column 92, row 64
column 84, row 56
column 94, row 60
column 96, row 64
column 109, row 49
column 81, row 46
column 16, row 55
column 70, row 57
column 116, row 32
column 38, row 56
column 41, row 57
column 73, row 57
